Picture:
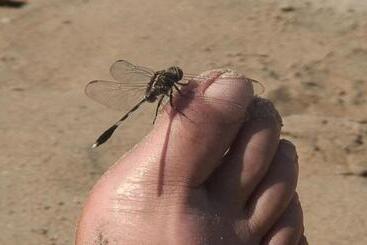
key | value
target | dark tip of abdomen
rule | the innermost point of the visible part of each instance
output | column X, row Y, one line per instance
column 105, row 136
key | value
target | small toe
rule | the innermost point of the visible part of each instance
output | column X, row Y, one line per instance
column 275, row 192
column 288, row 230
column 249, row 157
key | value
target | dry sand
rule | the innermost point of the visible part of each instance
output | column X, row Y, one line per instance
column 311, row 56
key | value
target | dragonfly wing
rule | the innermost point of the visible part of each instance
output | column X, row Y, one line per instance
column 125, row 72
column 115, row 95
column 259, row 87
column 200, row 109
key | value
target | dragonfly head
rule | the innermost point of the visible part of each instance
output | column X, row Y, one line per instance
column 175, row 72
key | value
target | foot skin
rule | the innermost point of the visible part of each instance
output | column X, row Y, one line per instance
column 227, row 181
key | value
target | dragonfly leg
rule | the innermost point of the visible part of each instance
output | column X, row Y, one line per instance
column 177, row 88
column 182, row 84
column 170, row 95
column 171, row 100
column 157, row 109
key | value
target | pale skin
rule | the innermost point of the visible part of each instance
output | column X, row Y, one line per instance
column 230, row 180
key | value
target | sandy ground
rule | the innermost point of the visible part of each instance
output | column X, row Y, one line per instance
column 311, row 57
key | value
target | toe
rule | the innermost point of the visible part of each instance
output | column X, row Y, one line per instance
column 303, row 240
column 289, row 228
column 249, row 157
column 189, row 145
column 274, row 193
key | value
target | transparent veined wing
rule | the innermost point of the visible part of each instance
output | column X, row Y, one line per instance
column 125, row 72
column 259, row 87
column 199, row 107
column 115, row 95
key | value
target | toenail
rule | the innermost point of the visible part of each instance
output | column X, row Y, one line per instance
column 262, row 109
column 288, row 149
column 230, row 86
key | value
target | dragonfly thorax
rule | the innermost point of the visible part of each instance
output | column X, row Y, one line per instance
column 162, row 82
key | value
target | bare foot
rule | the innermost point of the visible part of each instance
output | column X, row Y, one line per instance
column 181, row 184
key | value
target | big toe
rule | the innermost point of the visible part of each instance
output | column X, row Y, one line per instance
column 191, row 143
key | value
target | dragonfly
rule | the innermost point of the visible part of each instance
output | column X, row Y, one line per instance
column 132, row 82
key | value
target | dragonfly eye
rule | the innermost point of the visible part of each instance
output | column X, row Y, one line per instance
column 176, row 71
